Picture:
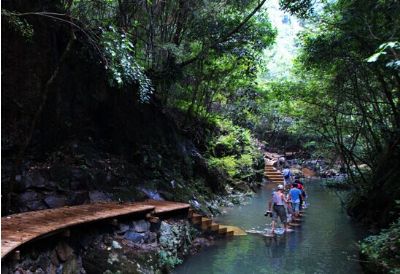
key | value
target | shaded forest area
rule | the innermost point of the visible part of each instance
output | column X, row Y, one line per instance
column 124, row 100
column 95, row 105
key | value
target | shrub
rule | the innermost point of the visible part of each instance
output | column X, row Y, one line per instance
column 383, row 250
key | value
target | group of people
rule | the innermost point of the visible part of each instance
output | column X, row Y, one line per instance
column 287, row 201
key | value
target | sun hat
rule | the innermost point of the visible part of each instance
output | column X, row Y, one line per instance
column 280, row 187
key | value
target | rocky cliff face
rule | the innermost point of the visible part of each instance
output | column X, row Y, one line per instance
column 68, row 138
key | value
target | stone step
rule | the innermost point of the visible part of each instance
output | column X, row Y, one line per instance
column 222, row 230
column 277, row 181
column 205, row 223
column 196, row 218
column 273, row 173
column 214, row 227
column 230, row 233
column 275, row 176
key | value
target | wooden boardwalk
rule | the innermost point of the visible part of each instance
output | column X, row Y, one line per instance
column 22, row 228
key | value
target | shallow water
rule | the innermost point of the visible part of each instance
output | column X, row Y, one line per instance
column 325, row 243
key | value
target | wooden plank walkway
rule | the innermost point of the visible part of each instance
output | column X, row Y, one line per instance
column 22, row 228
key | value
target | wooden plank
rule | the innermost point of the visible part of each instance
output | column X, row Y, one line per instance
column 22, row 228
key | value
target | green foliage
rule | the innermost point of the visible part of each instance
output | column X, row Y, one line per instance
column 383, row 250
column 122, row 67
column 19, row 24
column 174, row 241
column 302, row 8
column 226, row 163
column 168, row 260
column 232, row 150
column 388, row 49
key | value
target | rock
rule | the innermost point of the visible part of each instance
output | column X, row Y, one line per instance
column 152, row 194
column 55, row 201
column 97, row 196
column 151, row 237
column 141, row 226
column 122, row 228
column 242, row 186
column 30, row 200
column 134, row 236
column 28, row 196
column 64, row 251
column 79, row 174
column 165, row 229
column 37, row 180
column 116, row 245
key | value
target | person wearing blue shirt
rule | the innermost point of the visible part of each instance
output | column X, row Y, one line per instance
column 286, row 176
column 294, row 195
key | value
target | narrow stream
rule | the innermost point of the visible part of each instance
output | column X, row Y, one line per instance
column 325, row 243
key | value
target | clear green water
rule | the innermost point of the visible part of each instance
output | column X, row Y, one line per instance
column 325, row 243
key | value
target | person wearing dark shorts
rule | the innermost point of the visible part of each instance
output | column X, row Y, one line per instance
column 277, row 206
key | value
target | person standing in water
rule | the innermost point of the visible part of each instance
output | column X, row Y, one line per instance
column 277, row 207
column 294, row 195
column 286, row 176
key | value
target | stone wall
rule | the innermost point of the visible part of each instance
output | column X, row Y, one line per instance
column 131, row 246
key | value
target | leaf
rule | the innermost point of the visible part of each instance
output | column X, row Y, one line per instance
column 375, row 57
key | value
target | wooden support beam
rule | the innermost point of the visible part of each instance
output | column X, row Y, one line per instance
column 153, row 219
